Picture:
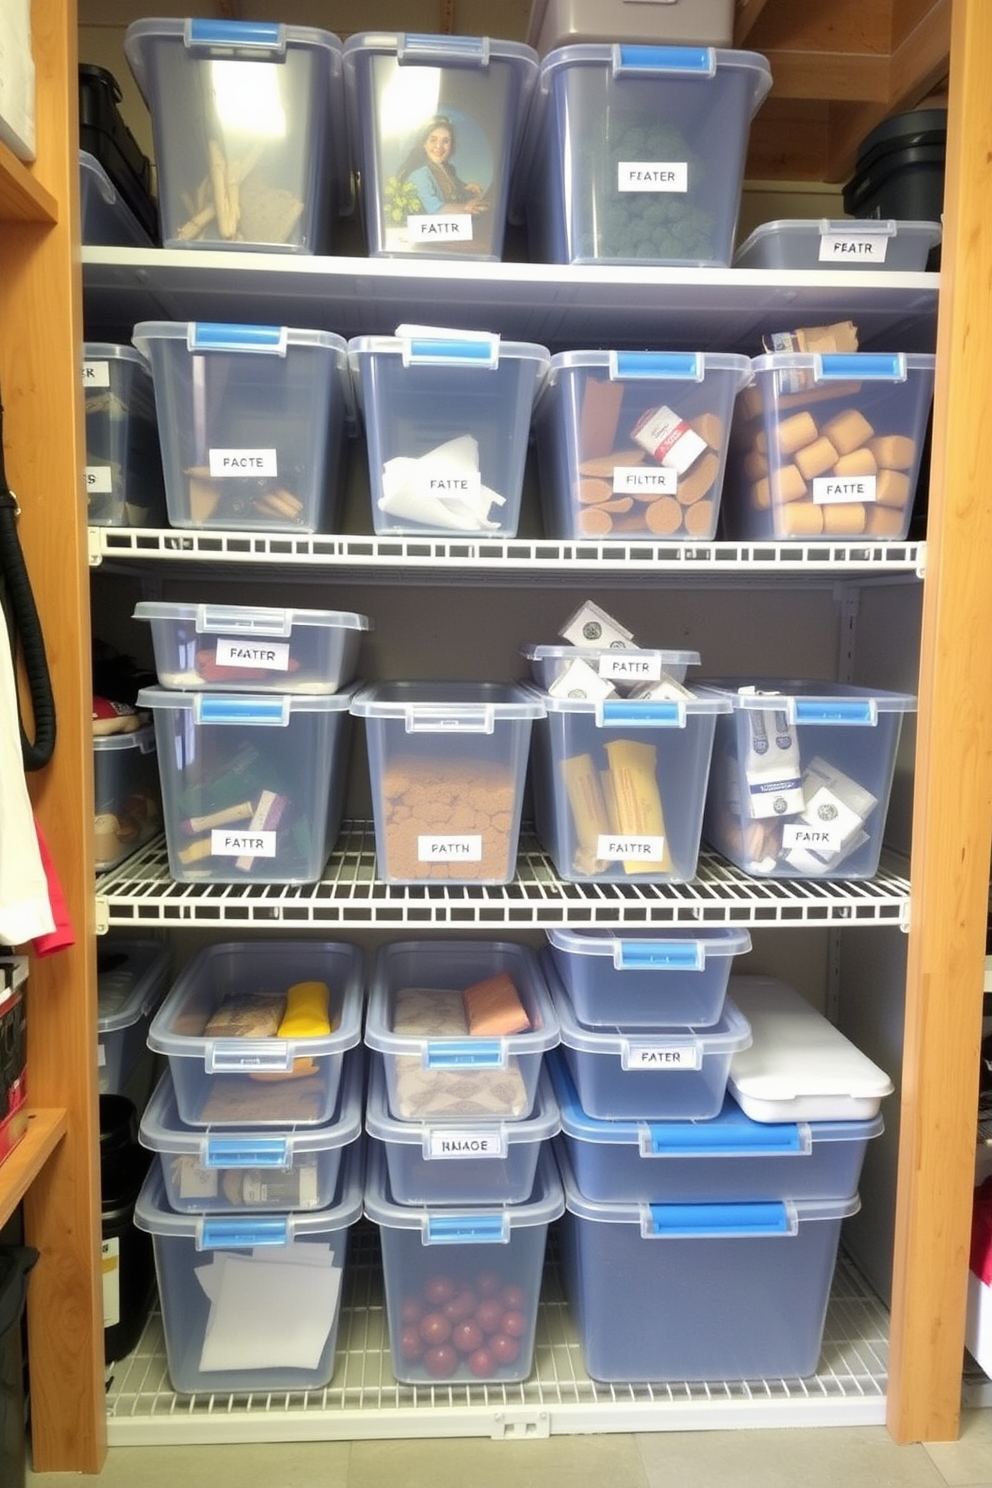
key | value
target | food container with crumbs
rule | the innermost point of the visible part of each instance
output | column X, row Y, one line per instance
column 248, row 125
column 840, row 243
column 256, row 1032
column 635, row 153
column 127, row 795
column 462, row 1027
column 635, row 442
column 125, row 486
column 827, row 445
column 253, row 422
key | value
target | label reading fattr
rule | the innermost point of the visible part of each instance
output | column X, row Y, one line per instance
column 630, row 849
column 227, row 844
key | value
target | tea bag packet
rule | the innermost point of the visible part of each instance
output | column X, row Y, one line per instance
column 831, row 824
column 772, row 768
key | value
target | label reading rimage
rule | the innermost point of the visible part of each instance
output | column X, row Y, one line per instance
column 228, row 464
column 440, row 227
column 652, row 175
column 436, row 849
column 270, row 656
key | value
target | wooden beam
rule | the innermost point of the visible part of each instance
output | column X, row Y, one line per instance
column 952, row 813
column 919, row 61
column 745, row 19
column 856, row 77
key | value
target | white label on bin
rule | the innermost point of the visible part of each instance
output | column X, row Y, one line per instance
column 631, row 849
column 96, row 374
column 444, row 483
column 461, row 1144
column 101, row 1055
column 818, row 839
column 442, row 227
column 634, row 480
column 849, row 248
column 464, row 849
column 225, row 844
column 99, row 480
column 621, row 668
column 661, row 1057
column 652, row 175
column 828, row 489
column 268, row 656
column 225, row 463
column 110, row 1265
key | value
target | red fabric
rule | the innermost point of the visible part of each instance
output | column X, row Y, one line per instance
column 63, row 934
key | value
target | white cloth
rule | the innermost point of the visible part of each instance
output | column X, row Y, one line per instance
column 25, row 909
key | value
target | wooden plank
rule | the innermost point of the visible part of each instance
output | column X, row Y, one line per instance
column 40, row 346
column 844, row 26
column 953, row 792
column 788, row 141
column 22, row 197
column 45, row 1129
column 919, row 59
column 860, row 77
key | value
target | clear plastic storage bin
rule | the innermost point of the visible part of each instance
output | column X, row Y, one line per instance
column 219, row 1029
column 839, row 243
column 128, row 795
column 248, row 123
column 619, row 785
column 125, row 486
column 131, row 979
column 251, row 1302
column 801, row 776
column 727, row 1159
column 727, row 1291
column 648, row 1074
column 252, row 421
column 635, row 442
column 635, row 153
column 462, row 1284
column 447, row 419
column 827, row 445
column 435, row 131
column 448, row 764
column 244, row 1169
column 552, row 668
column 644, row 978
column 478, row 1162
column 231, row 648
column 445, row 1059
column 252, row 783
column 555, row 23
column 106, row 220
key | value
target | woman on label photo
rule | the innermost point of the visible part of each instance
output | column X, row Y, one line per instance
column 429, row 171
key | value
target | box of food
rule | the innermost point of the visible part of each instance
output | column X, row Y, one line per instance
column 252, row 782
column 480, row 1161
column 251, row 1302
column 448, row 764
column 447, row 418
column 801, row 776
column 255, row 1032
column 125, row 486
column 839, row 243
column 248, row 124
column 131, row 979
column 252, row 421
column 127, row 794
column 635, row 153
column 462, row 1283
column 828, row 445
column 436, row 123
column 462, row 1027
column 231, row 648
column 635, row 441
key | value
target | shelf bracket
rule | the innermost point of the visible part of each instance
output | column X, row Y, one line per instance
column 515, row 1424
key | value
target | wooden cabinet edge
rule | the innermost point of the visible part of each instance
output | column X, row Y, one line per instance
column 22, row 197
column 45, row 1130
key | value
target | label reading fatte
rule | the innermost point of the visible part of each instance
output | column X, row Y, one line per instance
column 444, row 227
column 630, row 849
column 269, row 656
column 465, row 485
column 225, row 844
column 652, row 175
column 228, row 463
column 848, row 248
column 830, row 489
column 464, row 849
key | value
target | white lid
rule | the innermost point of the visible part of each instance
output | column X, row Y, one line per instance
column 799, row 1066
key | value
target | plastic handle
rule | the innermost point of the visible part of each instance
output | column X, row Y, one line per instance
column 231, row 1055
column 465, row 1054
column 852, row 712
column 708, row 1139
column 863, row 366
column 635, row 58
column 702, row 1220
column 660, row 955
column 864, row 227
column 626, row 713
column 447, row 50
column 467, row 1229
column 685, row 366
column 451, row 351
column 261, row 711
column 216, row 619
column 474, row 721
column 263, row 36
column 265, row 340
column 235, row 1152
column 239, row 1233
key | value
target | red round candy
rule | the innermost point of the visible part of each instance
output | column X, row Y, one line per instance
column 514, row 1324
column 412, row 1310
column 513, row 1297
column 505, row 1349
column 441, row 1360
column 482, row 1363
column 467, row 1337
column 489, row 1315
column 435, row 1328
column 488, row 1283
column 439, row 1289
column 462, row 1305
column 411, row 1343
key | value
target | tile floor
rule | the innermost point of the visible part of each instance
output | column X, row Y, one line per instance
column 831, row 1457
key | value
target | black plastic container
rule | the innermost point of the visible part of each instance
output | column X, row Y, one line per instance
column 900, row 169
column 15, row 1263
column 105, row 135
column 128, row 1260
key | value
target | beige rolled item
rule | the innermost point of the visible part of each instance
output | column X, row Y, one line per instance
column 593, row 521
column 598, row 417
column 816, row 458
column 664, row 516
column 203, row 498
column 700, row 518
column 761, row 494
column 226, row 226
column 751, row 401
column 847, row 430
column 592, row 491
column 844, row 516
column 633, row 771
column 858, row 462
column 699, row 479
column 885, row 521
column 894, row 451
column 892, row 488
column 800, row 519
column 585, row 800
column 755, row 465
column 787, row 483
column 709, row 426
column 795, row 432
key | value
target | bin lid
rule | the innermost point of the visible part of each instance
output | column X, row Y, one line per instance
column 130, row 981
column 662, row 949
column 903, row 132
column 445, row 1224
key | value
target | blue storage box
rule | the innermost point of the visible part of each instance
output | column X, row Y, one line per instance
column 726, row 1159
column 131, row 979
column 644, row 978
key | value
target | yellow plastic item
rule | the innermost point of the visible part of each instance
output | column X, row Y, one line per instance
column 307, row 1015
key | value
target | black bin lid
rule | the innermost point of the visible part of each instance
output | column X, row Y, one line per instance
column 903, row 132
